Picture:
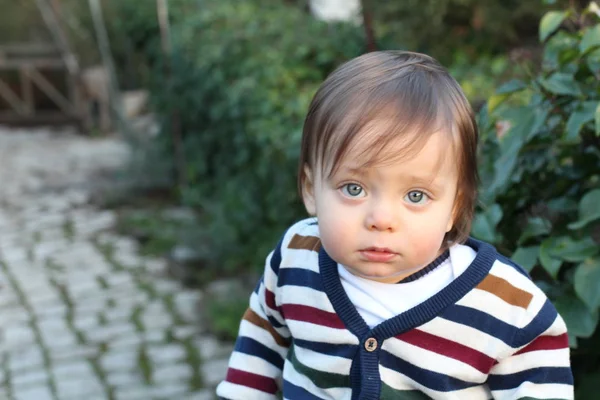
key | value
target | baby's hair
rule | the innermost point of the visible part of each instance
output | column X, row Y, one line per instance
column 409, row 97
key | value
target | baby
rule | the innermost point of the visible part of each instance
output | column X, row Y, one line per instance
column 383, row 294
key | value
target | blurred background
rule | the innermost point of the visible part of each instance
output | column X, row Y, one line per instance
column 148, row 163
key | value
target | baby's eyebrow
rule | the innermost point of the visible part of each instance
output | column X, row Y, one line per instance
column 354, row 171
column 429, row 181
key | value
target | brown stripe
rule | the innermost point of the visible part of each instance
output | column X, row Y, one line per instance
column 305, row 243
column 255, row 319
column 507, row 292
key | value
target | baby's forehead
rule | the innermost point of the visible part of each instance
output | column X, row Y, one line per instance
column 383, row 142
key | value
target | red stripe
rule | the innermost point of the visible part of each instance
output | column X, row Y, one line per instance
column 270, row 300
column 251, row 380
column 478, row 360
column 546, row 343
column 313, row 315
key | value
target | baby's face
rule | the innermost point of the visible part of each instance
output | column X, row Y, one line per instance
column 387, row 221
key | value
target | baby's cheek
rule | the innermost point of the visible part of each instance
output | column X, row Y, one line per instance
column 334, row 236
column 427, row 246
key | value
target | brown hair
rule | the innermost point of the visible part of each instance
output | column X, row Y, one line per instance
column 413, row 93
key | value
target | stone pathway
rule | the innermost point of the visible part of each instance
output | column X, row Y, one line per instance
column 82, row 314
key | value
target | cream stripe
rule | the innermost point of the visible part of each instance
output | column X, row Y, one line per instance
column 317, row 333
column 395, row 379
column 558, row 327
column 233, row 391
column 537, row 391
column 400, row 381
column 297, row 258
column 307, row 297
column 532, row 359
column 510, row 274
column 491, row 304
column 257, row 320
column 252, row 331
column 534, row 308
column 305, row 259
column 253, row 364
column 467, row 336
column 257, row 306
column 291, row 375
column 323, row 362
column 270, row 278
column 432, row 361
column 495, row 306
column 301, row 228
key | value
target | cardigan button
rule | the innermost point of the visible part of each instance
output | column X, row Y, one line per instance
column 371, row 344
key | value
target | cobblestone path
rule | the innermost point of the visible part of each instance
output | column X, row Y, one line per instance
column 82, row 314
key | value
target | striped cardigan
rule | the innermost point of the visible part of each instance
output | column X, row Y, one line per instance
column 491, row 333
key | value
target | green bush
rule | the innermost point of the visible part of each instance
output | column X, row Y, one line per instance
column 440, row 27
column 244, row 74
column 541, row 178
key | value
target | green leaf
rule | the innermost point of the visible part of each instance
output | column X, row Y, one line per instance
column 557, row 49
column 536, row 226
column 593, row 60
column 588, row 209
column 526, row 257
column 514, row 85
column 597, row 117
column 572, row 340
column 562, row 205
column 568, row 249
column 550, row 23
column 587, row 383
column 590, row 40
column 494, row 101
column 484, row 224
column 579, row 118
column 525, row 124
column 561, row 83
column 580, row 320
column 587, row 282
column 550, row 264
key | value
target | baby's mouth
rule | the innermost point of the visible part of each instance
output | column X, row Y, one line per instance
column 378, row 254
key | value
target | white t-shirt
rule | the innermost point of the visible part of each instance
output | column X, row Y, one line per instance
column 377, row 302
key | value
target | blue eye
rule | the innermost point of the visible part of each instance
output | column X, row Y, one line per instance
column 352, row 190
column 416, row 197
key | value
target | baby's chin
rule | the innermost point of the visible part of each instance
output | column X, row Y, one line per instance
column 380, row 274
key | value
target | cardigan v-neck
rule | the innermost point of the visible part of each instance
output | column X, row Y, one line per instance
column 367, row 370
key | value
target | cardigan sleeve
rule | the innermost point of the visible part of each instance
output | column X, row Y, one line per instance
column 256, row 364
column 539, row 368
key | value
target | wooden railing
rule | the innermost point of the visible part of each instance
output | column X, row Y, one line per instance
column 29, row 61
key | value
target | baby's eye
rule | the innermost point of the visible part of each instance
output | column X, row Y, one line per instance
column 353, row 190
column 417, row 197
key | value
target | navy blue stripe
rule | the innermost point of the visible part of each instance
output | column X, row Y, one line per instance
column 274, row 322
column 542, row 321
column 481, row 321
column 300, row 277
column 338, row 350
column 293, row 392
column 537, row 375
column 428, row 378
column 252, row 347
column 260, row 282
column 276, row 258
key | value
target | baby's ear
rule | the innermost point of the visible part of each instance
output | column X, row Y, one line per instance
column 308, row 192
column 450, row 223
column 455, row 214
